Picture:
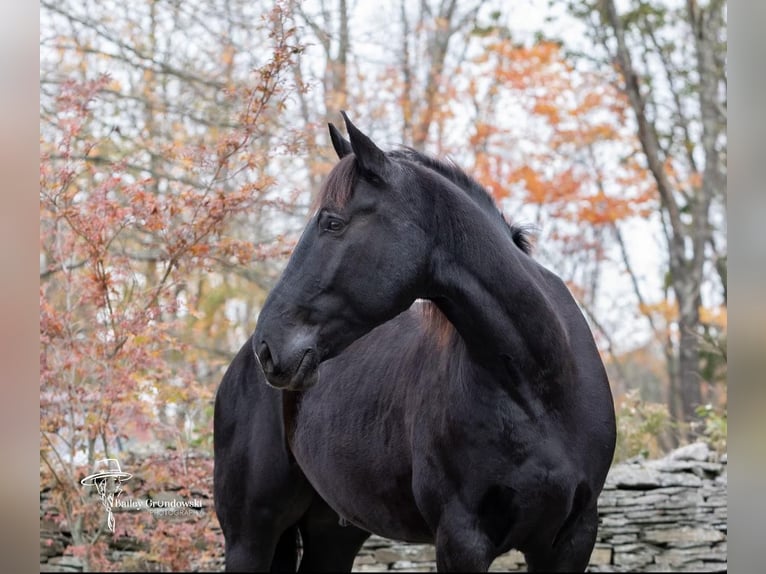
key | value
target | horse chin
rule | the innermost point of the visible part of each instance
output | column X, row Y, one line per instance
column 304, row 377
column 305, row 383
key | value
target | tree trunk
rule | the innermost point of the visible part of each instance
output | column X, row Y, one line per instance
column 687, row 290
column 685, row 207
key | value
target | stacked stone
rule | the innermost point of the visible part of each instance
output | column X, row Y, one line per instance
column 664, row 515
column 655, row 515
column 53, row 541
column 379, row 554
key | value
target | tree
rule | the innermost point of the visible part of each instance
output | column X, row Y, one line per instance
column 671, row 64
column 426, row 70
column 550, row 137
column 147, row 197
column 322, row 102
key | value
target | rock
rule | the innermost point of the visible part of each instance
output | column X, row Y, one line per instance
column 412, row 553
column 651, row 499
column 681, row 479
column 50, row 547
column 627, row 547
column 698, row 451
column 613, row 530
column 635, row 478
column 66, row 561
column 601, row 556
column 648, row 477
column 376, row 541
column 689, row 499
column 364, row 559
column 512, row 560
column 699, row 566
column 650, row 516
column 369, row 568
column 419, row 552
column 386, row 556
column 609, row 522
column 699, row 468
column 676, row 557
column 714, row 501
column 58, row 568
column 635, row 560
column 685, row 534
column 408, row 566
column 623, row 539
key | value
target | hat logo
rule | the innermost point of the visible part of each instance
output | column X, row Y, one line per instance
column 107, row 478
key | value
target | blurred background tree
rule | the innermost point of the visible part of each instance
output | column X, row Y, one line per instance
column 181, row 143
column 671, row 61
column 161, row 134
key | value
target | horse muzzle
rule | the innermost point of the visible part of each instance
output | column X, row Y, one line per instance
column 293, row 369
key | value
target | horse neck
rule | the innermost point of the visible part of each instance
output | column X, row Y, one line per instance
column 496, row 296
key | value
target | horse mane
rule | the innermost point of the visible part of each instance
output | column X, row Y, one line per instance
column 434, row 321
column 454, row 173
column 339, row 183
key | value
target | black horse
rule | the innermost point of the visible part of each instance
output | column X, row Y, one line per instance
column 428, row 381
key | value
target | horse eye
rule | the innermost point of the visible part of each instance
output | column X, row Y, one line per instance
column 334, row 225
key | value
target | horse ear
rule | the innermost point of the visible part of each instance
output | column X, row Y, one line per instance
column 341, row 144
column 369, row 157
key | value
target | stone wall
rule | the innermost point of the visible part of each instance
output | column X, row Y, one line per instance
column 659, row 515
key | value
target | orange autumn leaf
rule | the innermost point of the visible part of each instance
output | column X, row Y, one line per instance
column 537, row 191
column 667, row 310
column 715, row 316
column 548, row 110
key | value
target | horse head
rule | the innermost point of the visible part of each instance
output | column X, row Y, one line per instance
column 361, row 260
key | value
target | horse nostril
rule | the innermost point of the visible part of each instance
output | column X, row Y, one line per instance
column 264, row 356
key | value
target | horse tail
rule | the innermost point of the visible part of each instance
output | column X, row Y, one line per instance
column 286, row 552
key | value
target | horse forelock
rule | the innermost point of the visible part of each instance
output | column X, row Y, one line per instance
column 338, row 185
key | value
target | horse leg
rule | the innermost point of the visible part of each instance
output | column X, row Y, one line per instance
column 461, row 547
column 572, row 549
column 262, row 547
column 328, row 546
column 246, row 556
column 331, row 550
column 286, row 552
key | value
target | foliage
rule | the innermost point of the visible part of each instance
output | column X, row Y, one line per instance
column 163, row 540
column 128, row 250
column 577, row 172
column 641, row 427
column 645, row 428
column 714, row 427
column 671, row 61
